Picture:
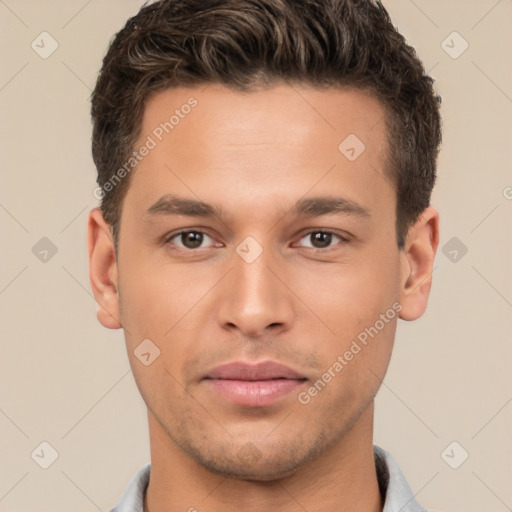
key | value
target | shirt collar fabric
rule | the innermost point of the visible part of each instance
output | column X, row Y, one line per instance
column 392, row 483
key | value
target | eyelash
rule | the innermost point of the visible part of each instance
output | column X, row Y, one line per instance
column 342, row 239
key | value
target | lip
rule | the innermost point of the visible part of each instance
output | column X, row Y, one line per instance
column 265, row 370
column 253, row 385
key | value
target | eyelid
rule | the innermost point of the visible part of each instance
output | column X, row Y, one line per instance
column 344, row 238
column 168, row 237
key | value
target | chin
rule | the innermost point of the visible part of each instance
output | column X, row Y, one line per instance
column 252, row 463
column 261, row 471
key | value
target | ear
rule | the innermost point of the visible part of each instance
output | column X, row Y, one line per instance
column 103, row 270
column 417, row 261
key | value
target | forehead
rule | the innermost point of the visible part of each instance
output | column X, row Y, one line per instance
column 226, row 145
column 261, row 114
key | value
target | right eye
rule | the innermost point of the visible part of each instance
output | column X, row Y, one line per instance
column 189, row 239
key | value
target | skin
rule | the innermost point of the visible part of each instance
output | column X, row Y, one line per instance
column 300, row 303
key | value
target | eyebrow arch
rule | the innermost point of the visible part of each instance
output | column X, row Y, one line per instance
column 171, row 204
column 316, row 206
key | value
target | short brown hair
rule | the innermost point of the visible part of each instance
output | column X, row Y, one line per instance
column 243, row 44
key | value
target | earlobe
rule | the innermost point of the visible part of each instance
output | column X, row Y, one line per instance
column 417, row 263
column 103, row 270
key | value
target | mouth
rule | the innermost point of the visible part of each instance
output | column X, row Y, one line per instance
column 253, row 385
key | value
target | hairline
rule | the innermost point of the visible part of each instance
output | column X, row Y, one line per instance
column 265, row 82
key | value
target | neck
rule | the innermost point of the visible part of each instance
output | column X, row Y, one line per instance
column 341, row 479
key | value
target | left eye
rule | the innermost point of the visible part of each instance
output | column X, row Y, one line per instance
column 190, row 239
column 321, row 239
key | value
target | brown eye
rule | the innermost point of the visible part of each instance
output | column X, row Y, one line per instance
column 321, row 239
column 189, row 239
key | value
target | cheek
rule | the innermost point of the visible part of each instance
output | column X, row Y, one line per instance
column 154, row 295
column 350, row 300
column 159, row 303
column 352, row 295
column 153, row 306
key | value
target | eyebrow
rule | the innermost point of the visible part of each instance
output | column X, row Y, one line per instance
column 316, row 206
column 171, row 204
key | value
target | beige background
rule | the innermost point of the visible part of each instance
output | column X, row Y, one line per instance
column 66, row 380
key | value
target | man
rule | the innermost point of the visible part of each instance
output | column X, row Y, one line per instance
column 265, row 169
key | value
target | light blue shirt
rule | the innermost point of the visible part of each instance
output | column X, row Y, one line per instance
column 398, row 495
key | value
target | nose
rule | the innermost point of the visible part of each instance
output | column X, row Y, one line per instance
column 254, row 298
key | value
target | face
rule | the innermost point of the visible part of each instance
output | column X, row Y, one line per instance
column 252, row 233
